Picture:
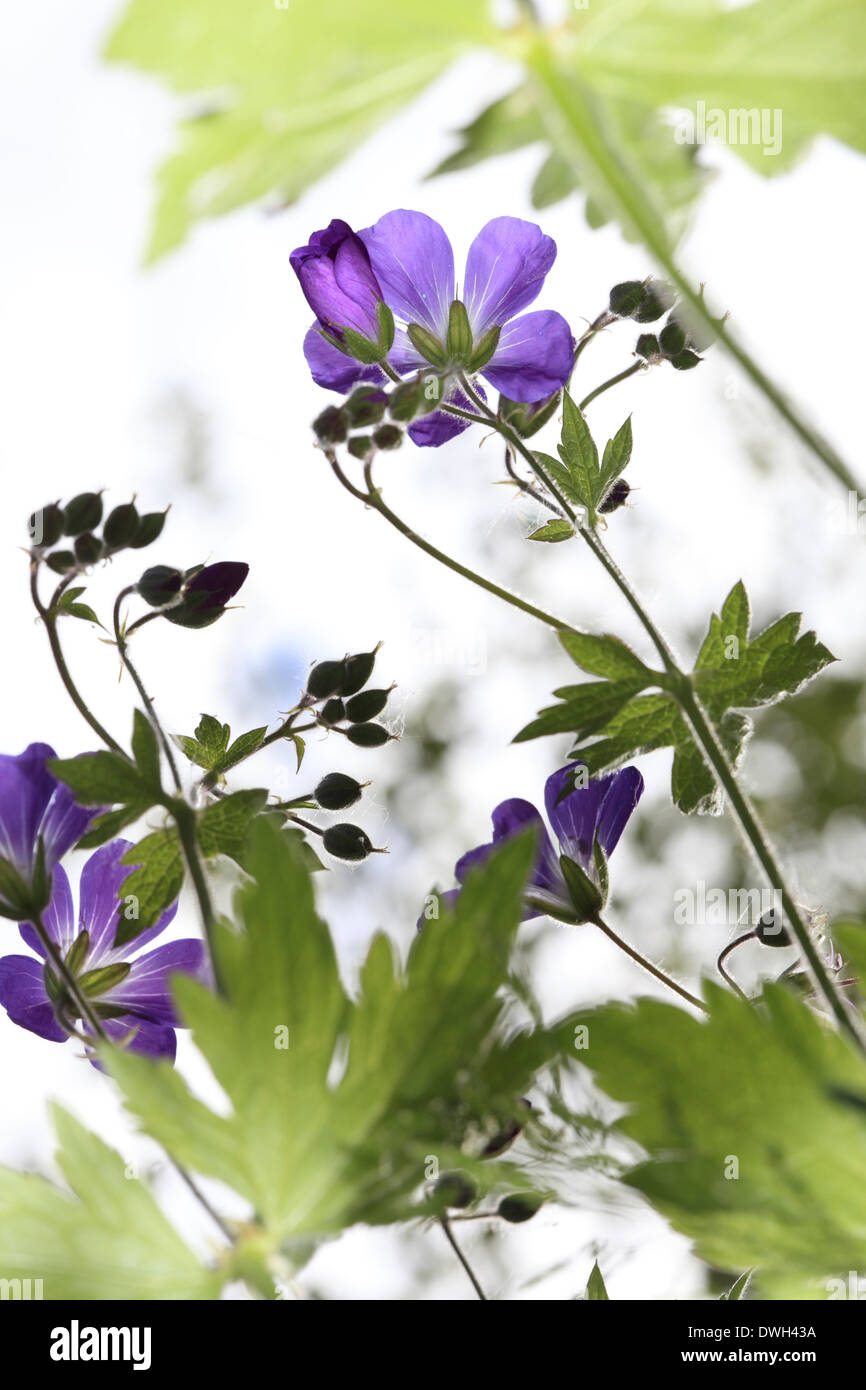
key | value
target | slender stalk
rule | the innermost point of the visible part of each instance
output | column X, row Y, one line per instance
column 449, row 1236
column 50, row 621
column 149, row 707
column 720, row 963
column 185, row 820
column 648, row 965
column 61, row 969
column 604, row 319
column 639, row 366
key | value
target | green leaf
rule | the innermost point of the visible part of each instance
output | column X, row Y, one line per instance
column 645, row 724
column 242, row 747
column 109, row 1240
column 560, row 475
column 104, row 828
column 223, row 827
column 553, row 531
column 507, row 124
column 617, row 453
column 747, row 1149
column 286, row 91
column 579, row 454
column 425, row 1061
column 604, row 656
column 738, row 1290
column 98, row 779
column 145, row 750
column 588, row 708
column 154, row 884
column 595, row 1287
column 693, row 784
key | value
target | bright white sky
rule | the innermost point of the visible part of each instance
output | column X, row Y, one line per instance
column 140, row 381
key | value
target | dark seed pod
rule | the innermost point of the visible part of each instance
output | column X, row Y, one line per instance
column 46, row 526
column 333, row 711
column 506, row 1136
column 388, row 437
column 625, row 299
column 83, row 513
column 455, row 1190
column 684, row 361
column 522, row 1206
column 672, row 338
column 770, row 932
column 615, row 498
column 647, row 346
column 149, row 529
column 366, row 705
column 365, row 406
column 336, row 791
column 121, row 526
column 159, row 585
column 656, row 299
column 347, row 841
column 326, row 679
column 88, row 548
column 332, row 426
column 359, row 669
column 367, row 735
column 61, row 562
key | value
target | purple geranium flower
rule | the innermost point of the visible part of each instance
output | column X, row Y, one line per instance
column 411, row 264
column 581, row 816
column 206, row 594
column 338, row 281
column 35, row 810
column 130, row 994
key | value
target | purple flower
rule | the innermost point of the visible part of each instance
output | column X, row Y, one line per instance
column 412, row 265
column 205, row 595
column 39, row 822
column 130, row 993
column 338, row 281
column 581, row 816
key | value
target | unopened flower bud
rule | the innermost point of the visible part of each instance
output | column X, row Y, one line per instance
column 336, row 791
column 770, row 931
column 159, row 585
column 61, row 562
column 455, row 1190
column 326, row 679
column 88, row 548
column 359, row 669
column 333, row 711
column 360, row 446
column 149, row 529
column 684, row 361
column 366, row 705
column 368, row 735
column 625, row 298
column 121, row 526
column 522, row 1206
column 672, row 338
column 647, row 346
column 656, row 299
column 206, row 594
column 408, row 400
column 388, row 437
column 615, row 498
column 46, row 525
column 365, row 406
column 346, row 841
column 83, row 513
column 332, row 426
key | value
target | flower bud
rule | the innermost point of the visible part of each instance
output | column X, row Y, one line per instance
column 615, row 498
column 88, row 548
column 149, row 529
column 347, row 841
column 366, row 705
column 656, row 299
column 647, row 346
column 332, row 426
column 388, row 437
column 625, row 298
column 83, row 513
column 159, row 585
column 359, row 669
column 522, row 1206
column 121, row 526
column 360, row 446
column 326, row 679
column 684, row 361
column 333, row 711
column 365, row 406
column 46, row 525
column 367, row 735
column 206, row 594
column 672, row 338
column 61, row 562
column 408, row 400
column 770, row 931
column 336, row 791
column 527, row 420
column 455, row 1190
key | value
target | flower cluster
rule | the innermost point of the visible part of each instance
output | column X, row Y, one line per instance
column 403, row 268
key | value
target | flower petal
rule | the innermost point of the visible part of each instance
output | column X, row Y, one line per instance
column 505, row 270
column 100, row 906
column 59, row 917
column 146, row 990
column 150, row 1039
column 331, row 368
column 26, row 788
column 337, row 279
column 437, row 428
column 623, row 795
column 23, row 996
column 509, row 819
column 414, row 264
column 599, row 810
column 534, row 356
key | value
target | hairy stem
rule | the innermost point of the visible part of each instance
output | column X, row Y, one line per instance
column 648, row 965
column 449, row 1236
column 149, row 706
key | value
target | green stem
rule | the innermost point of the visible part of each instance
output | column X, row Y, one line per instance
column 50, row 621
column 61, row 969
column 185, row 820
column 576, row 133
column 648, row 965
column 149, row 707
column 449, row 1236
column 613, row 381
